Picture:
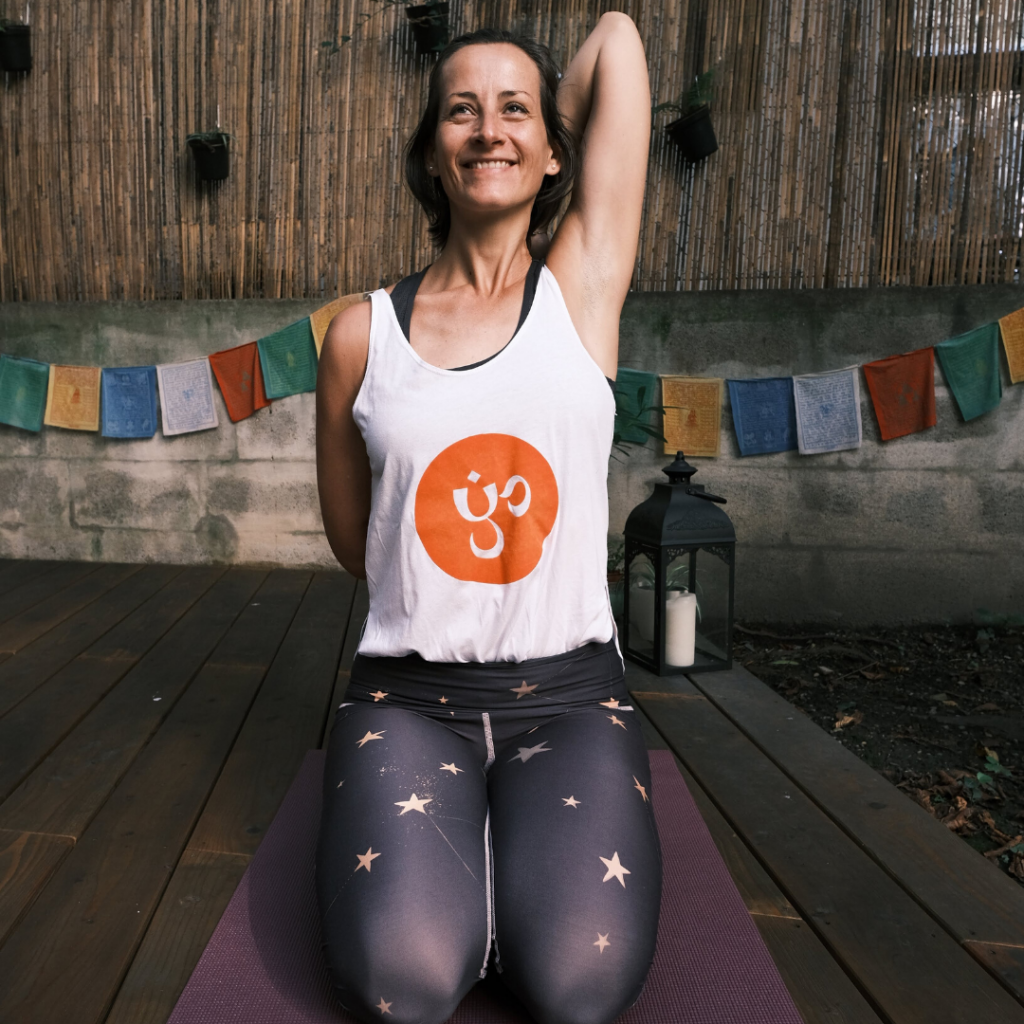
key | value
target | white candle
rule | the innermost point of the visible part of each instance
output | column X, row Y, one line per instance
column 680, row 628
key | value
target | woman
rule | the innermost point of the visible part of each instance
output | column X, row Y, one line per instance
column 487, row 790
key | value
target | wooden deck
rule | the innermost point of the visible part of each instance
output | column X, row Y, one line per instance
column 151, row 718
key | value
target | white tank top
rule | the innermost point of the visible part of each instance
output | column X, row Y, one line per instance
column 489, row 511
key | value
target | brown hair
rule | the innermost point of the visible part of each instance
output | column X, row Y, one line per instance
column 428, row 190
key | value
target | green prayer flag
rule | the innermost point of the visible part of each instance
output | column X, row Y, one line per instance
column 23, row 392
column 970, row 364
column 636, row 395
column 288, row 360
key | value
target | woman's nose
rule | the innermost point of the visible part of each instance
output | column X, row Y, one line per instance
column 490, row 128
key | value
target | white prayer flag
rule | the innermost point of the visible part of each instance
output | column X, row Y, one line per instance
column 827, row 411
column 186, row 396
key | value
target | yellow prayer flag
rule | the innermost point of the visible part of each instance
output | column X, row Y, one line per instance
column 321, row 319
column 693, row 414
column 73, row 398
column 1012, row 329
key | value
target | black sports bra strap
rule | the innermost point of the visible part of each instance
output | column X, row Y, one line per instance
column 402, row 297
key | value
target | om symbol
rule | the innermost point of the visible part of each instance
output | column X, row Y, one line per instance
column 481, row 534
column 461, row 497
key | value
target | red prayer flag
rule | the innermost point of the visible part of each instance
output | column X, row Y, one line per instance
column 903, row 392
column 241, row 380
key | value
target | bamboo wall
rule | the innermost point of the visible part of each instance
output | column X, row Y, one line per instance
column 863, row 142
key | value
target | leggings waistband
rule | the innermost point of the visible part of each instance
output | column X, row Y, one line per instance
column 593, row 672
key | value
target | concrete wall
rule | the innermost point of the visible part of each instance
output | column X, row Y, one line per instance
column 929, row 527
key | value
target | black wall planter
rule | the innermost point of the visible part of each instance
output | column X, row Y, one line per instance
column 694, row 134
column 16, row 48
column 211, row 156
column 429, row 26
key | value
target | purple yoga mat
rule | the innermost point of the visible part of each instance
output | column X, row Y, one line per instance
column 263, row 964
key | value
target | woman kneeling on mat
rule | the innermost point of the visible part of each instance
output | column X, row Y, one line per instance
column 487, row 791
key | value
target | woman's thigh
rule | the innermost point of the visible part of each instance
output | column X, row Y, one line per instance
column 402, row 865
column 577, row 866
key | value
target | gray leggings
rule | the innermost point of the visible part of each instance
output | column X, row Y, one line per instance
column 452, row 835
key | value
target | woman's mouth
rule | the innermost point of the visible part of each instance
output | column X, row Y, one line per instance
column 483, row 165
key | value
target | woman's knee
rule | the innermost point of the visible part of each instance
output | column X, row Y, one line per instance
column 573, row 992
column 405, row 986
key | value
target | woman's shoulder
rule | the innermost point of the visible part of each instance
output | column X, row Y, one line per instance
column 347, row 341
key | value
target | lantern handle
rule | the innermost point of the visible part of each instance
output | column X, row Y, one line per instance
column 706, row 495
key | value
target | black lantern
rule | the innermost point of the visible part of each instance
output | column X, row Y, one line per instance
column 680, row 560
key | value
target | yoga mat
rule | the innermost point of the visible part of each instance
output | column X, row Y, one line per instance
column 263, row 964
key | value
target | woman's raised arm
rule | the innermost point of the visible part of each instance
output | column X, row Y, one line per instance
column 605, row 98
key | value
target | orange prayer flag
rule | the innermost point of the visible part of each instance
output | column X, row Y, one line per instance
column 903, row 392
column 1012, row 329
column 73, row 397
column 240, row 379
column 321, row 319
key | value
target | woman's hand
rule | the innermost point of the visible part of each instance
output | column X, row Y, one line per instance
column 342, row 465
column 605, row 98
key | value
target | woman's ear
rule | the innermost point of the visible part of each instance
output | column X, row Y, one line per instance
column 555, row 162
column 429, row 161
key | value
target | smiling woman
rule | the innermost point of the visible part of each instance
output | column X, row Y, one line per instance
column 464, row 427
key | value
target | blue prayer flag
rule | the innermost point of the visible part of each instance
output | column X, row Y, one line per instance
column 763, row 414
column 129, row 401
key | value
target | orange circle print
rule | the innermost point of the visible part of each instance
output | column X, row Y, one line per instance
column 484, row 507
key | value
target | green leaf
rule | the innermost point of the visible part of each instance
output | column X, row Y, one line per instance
column 783, row 661
column 985, row 780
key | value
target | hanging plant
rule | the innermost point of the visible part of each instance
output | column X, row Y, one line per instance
column 429, row 23
column 211, row 154
column 693, row 132
column 15, row 46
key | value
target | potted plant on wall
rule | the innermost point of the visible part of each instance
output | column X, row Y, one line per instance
column 211, row 154
column 15, row 46
column 693, row 132
column 429, row 23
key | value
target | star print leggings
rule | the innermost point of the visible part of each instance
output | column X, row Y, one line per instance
column 477, row 813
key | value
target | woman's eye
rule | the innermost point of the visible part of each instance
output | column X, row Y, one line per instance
column 516, row 108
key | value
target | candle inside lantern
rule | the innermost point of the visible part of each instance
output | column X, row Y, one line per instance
column 680, row 628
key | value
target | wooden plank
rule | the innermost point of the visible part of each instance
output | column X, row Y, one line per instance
column 67, row 957
column 34, row 664
column 908, row 967
column 821, row 989
column 16, row 572
column 970, row 896
column 38, row 588
column 1004, row 961
column 360, row 609
column 192, row 905
column 286, row 720
column 42, row 720
column 20, row 630
column 65, row 791
column 27, row 859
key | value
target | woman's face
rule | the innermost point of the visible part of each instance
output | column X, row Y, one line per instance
column 491, row 148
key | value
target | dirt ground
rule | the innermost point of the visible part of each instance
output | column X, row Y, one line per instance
column 938, row 710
